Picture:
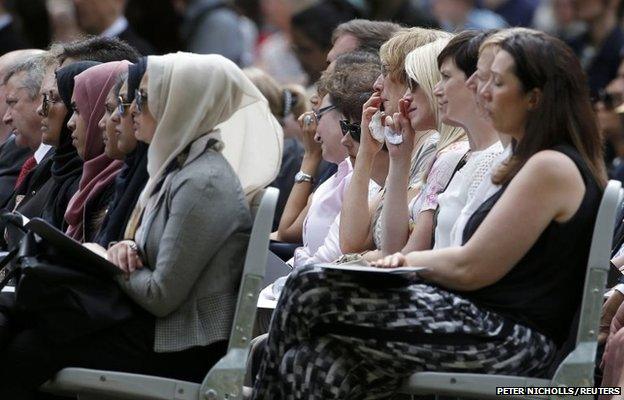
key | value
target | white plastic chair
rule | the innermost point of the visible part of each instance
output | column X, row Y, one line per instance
column 577, row 369
column 225, row 379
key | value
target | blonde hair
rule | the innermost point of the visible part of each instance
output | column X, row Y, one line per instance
column 497, row 38
column 275, row 94
column 393, row 52
column 421, row 66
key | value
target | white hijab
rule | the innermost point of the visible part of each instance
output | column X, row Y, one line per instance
column 191, row 95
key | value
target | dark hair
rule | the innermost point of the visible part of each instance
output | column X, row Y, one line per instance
column 98, row 48
column 123, row 77
column 563, row 114
column 370, row 34
column 463, row 48
column 350, row 82
column 319, row 21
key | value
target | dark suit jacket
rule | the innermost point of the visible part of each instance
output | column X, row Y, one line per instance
column 137, row 42
column 11, row 40
column 11, row 160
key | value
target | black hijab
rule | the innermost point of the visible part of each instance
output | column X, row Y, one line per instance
column 135, row 74
column 66, row 163
column 132, row 178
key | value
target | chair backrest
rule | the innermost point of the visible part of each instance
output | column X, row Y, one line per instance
column 262, row 209
column 225, row 379
column 578, row 367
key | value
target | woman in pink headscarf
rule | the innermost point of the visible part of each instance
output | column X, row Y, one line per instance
column 87, row 208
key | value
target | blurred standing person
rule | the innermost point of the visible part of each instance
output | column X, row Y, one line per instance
column 105, row 18
column 147, row 17
column 275, row 55
column 10, row 38
column 558, row 18
column 599, row 47
column 457, row 15
column 404, row 12
column 515, row 12
column 213, row 27
column 312, row 33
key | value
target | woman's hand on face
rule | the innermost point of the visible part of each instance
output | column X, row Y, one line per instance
column 368, row 144
column 308, row 123
column 125, row 256
column 395, row 260
column 400, row 123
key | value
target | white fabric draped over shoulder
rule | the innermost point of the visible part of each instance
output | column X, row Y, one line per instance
column 191, row 95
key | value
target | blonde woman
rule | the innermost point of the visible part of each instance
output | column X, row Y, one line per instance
column 410, row 224
column 360, row 227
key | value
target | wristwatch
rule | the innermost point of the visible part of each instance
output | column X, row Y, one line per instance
column 303, row 177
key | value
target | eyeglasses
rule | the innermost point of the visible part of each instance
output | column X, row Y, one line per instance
column 352, row 129
column 323, row 111
column 606, row 98
column 122, row 105
column 45, row 105
column 141, row 100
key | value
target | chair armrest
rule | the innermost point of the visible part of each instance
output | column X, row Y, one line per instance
column 577, row 369
column 111, row 385
column 226, row 377
column 468, row 385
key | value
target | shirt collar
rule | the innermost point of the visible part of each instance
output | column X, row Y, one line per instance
column 120, row 25
column 41, row 152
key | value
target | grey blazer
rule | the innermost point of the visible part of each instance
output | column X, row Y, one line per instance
column 194, row 244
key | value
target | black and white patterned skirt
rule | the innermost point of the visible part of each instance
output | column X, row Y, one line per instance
column 344, row 335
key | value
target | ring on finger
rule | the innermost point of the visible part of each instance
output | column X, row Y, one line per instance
column 133, row 246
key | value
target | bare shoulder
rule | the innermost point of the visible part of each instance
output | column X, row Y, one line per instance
column 553, row 167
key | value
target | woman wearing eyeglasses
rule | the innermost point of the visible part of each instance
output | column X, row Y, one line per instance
column 312, row 214
column 349, row 85
column 133, row 177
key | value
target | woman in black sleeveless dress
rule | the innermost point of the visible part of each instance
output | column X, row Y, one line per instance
column 499, row 304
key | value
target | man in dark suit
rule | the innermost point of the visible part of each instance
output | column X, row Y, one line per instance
column 106, row 18
column 12, row 157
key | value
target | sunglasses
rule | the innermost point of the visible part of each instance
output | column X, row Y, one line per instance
column 323, row 111
column 122, row 105
column 352, row 129
column 141, row 100
column 606, row 98
column 45, row 105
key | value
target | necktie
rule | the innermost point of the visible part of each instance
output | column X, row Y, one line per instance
column 28, row 166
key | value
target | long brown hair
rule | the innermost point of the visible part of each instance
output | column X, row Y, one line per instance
column 563, row 114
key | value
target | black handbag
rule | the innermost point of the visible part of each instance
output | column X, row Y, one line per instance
column 56, row 294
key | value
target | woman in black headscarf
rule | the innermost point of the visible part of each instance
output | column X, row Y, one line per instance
column 133, row 176
column 50, row 202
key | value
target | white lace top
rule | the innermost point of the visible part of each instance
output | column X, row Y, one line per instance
column 461, row 190
column 484, row 190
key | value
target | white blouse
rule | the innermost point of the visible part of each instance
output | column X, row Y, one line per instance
column 461, row 190
column 484, row 190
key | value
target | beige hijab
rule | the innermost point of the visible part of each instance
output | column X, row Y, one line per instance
column 191, row 95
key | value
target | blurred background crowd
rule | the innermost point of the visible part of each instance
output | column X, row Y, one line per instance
column 290, row 39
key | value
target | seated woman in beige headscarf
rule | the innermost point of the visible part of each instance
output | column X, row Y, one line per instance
column 183, row 262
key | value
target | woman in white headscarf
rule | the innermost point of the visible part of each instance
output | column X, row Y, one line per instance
column 201, row 117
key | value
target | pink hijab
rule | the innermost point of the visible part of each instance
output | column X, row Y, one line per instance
column 99, row 171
